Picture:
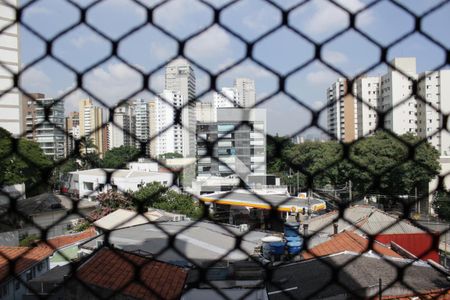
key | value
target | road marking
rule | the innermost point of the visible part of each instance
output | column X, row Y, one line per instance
column 280, row 291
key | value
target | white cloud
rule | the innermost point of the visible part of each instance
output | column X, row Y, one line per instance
column 159, row 51
column 126, row 5
column 179, row 13
column 249, row 70
column 85, row 39
column 320, row 77
column 35, row 10
column 113, row 82
column 326, row 17
column 318, row 104
column 335, row 57
column 35, row 80
column 213, row 43
column 261, row 20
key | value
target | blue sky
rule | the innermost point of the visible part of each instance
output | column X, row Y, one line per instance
column 215, row 49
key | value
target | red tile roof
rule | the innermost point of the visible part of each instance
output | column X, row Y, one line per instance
column 347, row 241
column 24, row 258
column 66, row 240
column 114, row 269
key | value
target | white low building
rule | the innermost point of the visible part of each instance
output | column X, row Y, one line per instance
column 143, row 165
column 89, row 183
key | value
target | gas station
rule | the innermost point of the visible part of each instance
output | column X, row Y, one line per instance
column 245, row 207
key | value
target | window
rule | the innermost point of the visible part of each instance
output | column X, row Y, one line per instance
column 88, row 186
column 39, row 266
column 17, row 284
column 29, row 275
column 4, row 291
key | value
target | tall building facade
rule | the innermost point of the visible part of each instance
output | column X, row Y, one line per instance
column 11, row 107
column 245, row 88
column 206, row 112
column 180, row 77
column 392, row 94
column 342, row 111
column 48, row 134
column 142, row 122
column 227, row 98
column 241, row 143
column 397, row 99
column 170, row 136
column 73, row 131
column 434, row 88
column 121, row 132
column 367, row 94
column 91, row 120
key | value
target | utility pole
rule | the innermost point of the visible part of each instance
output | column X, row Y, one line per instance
column 350, row 191
column 417, row 201
column 298, row 184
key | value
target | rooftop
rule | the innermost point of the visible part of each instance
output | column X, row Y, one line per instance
column 347, row 241
column 358, row 277
column 366, row 219
column 115, row 270
column 197, row 241
column 69, row 239
column 123, row 218
column 247, row 198
column 23, row 257
column 116, row 173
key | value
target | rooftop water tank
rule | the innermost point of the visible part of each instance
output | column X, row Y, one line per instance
column 294, row 248
column 272, row 245
column 291, row 229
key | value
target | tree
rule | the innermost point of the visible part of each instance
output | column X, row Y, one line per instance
column 378, row 164
column 109, row 202
column 276, row 145
column 158, row 196
column 60, row 172
column 117, row 158
column 23, row 161
column 90, row 160
column 441, row 204
column 393, row 165
column 316, row 161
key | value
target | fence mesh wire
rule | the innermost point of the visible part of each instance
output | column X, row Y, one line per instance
column 203, row 275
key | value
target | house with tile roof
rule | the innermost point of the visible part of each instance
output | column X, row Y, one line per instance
column 360, row 276
column 382, row 226
column 110, row 273
column 19, row 265
column 348, row 241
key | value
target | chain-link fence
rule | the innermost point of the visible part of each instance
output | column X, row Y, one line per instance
column 355, row 223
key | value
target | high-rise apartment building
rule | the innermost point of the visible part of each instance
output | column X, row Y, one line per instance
column 367, row 94
column 241, row 143
column 396, row 97
column 142, row 122
column 434, row 88
column 120, row 133
column 91, row 120
column 227, row 98
column 342, row 111
column 392, row 93
column 180, row 78
column 48, row 134
column 206, row 112
column 170, row 137
column 246, row 91
column 152, row 127
column 72, row 130
column 11, row 106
